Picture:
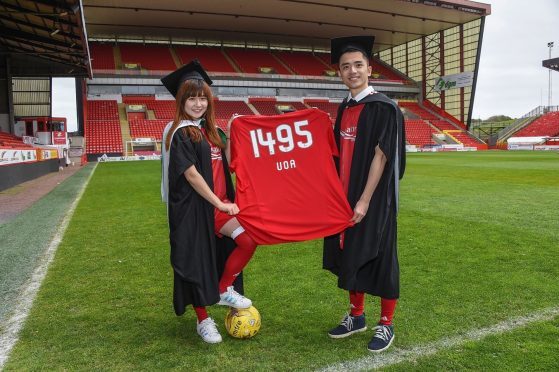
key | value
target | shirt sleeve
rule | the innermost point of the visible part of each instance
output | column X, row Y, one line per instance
column 182, row 155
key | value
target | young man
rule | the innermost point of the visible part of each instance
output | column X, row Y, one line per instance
column 369, row 133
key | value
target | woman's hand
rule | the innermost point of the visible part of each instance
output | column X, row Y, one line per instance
column 229, row 208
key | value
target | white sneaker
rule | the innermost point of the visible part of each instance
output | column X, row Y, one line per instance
column 208, row 331
column 232, row 298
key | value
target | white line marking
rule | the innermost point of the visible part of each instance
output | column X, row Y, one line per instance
column 14, row 323
column 409, row 355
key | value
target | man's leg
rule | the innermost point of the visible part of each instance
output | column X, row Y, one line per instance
column 353, row 322
column 384, row 333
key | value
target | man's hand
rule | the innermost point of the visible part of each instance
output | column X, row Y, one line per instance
column 359, row 211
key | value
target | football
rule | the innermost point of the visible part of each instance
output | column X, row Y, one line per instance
column 242, row 323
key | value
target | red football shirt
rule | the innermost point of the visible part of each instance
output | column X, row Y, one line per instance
column 287, row 185
column 348, row 130
column 217, row 170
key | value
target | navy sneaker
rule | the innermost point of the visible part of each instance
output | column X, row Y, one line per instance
column 384, row 335
column 348, row 326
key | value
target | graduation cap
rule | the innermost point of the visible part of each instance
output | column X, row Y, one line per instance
column 340, row 45
column 190, row 71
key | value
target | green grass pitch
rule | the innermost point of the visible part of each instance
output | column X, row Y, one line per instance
column 478, row 244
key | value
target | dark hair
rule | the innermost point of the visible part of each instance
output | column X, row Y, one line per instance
column 195, row 88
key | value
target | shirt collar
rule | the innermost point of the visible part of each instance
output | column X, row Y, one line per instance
column 194, row 123
column 364, row 93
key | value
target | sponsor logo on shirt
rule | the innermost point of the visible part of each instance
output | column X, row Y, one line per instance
column 349, row 133
column 216, row 153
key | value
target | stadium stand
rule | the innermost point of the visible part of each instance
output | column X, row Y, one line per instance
column 212, row 59
column 268, row 106
column 324, row 57
column 102, row 110
column 303, row 63
column 103, row 136
column 330, row 107
column 420, row 123
column 464, row 138
column 102, row 57
column 418, row 110
column 252, row 60
column 137, row 99
column 156, row 58
column 443, row 125
column 147, row 128
column 162, row 109
column 384, row 71
column 453, row 131
column 8, row 140
column 419, row 133
column 225, row 109
column 546, row 125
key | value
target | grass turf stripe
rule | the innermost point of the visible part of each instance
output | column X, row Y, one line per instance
column 409, row 355
column 55, row 204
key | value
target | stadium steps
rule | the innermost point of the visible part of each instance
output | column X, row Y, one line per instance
column 124, row 127
column 283, row 64
column 250, row 106
column 150, row 114
column 118, row 57
column 504, row 134
column 231, row 61
column 175, row 57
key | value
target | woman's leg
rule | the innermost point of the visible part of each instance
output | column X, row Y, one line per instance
column 205, row 326
column 240, row 256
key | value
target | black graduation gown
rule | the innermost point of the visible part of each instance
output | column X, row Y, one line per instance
column 368, row 261
column 197, row 255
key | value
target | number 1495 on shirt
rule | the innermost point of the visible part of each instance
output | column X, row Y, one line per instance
column 283, row 138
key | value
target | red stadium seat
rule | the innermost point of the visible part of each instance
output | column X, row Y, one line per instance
column 152, row 57
column 251, row 60
column 102, row 57
column 545, row 125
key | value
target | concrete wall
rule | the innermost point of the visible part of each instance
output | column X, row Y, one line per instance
column 12, row 175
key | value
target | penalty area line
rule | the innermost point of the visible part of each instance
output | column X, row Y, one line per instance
column 409, row 355
column 13, row 325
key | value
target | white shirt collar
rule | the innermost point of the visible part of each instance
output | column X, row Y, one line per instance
column 195, row 123
column 364, row 93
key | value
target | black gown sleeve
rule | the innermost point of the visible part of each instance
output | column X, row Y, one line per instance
column 388, row 132
column 183, row 155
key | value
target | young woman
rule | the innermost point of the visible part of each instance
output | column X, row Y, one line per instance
column 196, row 184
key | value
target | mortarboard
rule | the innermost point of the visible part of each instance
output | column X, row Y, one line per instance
column 340, row 45
column 191, row 71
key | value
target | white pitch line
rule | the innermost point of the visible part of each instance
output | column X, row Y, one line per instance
column 409, row 355
column 14, row 323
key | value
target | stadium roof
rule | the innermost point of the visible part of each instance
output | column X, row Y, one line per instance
column 48, row 29
column 552, row 64
column 291, row 23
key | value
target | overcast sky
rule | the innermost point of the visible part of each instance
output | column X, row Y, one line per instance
column 511, row 78
column 64, row 101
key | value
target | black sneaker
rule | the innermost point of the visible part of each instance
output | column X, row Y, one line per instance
column 348, row 326
column 384, row 335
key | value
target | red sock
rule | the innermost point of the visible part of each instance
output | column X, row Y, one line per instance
column 387, row 307
column 237, row 261
column 201, row 313
column 357, row 301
